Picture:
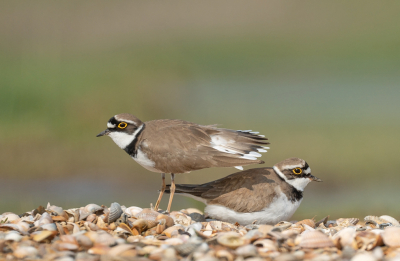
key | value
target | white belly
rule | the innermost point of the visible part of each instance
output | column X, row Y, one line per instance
column 145, row 162
column 279, row 210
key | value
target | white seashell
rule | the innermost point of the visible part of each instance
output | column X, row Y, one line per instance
column 364, row 257
column 76, row 229
column 73, row 214
column 115, row 212
column 56, row 209
column 45, row 219
column 83, row 240
column 182, row 219
column 346, row 235
column 246, row 251
column 315, row 239
column 391, row 236
column 390, row 220
column 9, row 217
column 103, row 238
column 133, row 211
column 25, row 251
column 13, row 236
column 196, row 226
column 50, row 227
column 265, row 245
column 231, row 239
column 173, row 241
column 27, row 218
column 92, row 208
column 22, row 227
column 119, row 249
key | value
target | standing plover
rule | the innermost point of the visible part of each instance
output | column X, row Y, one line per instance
column 176, row 146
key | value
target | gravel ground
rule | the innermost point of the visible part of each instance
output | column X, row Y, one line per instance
column 96, row 232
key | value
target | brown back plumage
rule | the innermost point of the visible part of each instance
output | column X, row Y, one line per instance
column 246, row 191
column 178, row 146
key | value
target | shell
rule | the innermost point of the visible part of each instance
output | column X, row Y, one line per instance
column 84, row 241
column 105, row 239
column 57, row 210
column 93, row 208
column 50, row 227
column 44, row 235
column 246, row 251
column 25, row 251
column 197, row 217
column 390, row 219
column 224, row 255
column 265, row 229
column 181, row 219
column 309, row 222
column 8, row 217
column 298, row 228
column 115, row 212
column 119, row 249
column 173, row 231
column 315, row 239
column 346, row 237
column 215, row 225
column 148, row 214
column 13, row 236
column 92, row 218
column 282, row 226
column 331, row 223
column 232, row 240
column 346, row 222
column 45, row 219
column 265, row 245
column 391, row 236
column 169, row 222
column 73, row 214
column 133, row 211
column 186, row 248
column 364, row 257
column 375, row 221
column 368, row 240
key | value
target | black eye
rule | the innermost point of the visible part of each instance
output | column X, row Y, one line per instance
column 297, row 171
column 122, row 125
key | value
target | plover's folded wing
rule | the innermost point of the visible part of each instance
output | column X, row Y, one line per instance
column 231, row 190
column 182, row 146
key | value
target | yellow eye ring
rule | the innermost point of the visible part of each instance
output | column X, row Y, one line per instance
column 122, row 125
column 297, row 171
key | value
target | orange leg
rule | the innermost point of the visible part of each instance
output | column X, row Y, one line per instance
column 161, row 192
column 172, row 189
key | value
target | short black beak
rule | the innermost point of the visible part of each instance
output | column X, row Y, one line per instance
column 105, row 132
column 313, row 178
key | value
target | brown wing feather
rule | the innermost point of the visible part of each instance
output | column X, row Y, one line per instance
column 181, row 146
column 231, row 190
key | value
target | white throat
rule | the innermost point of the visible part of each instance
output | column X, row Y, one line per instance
column 298, row 184
column 123, row 139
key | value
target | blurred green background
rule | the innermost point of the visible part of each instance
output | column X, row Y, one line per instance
column 319, row 79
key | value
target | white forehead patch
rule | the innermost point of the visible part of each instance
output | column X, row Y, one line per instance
column 128, row 121
column 293, row 166
column 307, row 171
column 110, row 125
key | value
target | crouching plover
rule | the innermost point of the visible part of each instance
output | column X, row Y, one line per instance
column 262, row 195
column 176, row 146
